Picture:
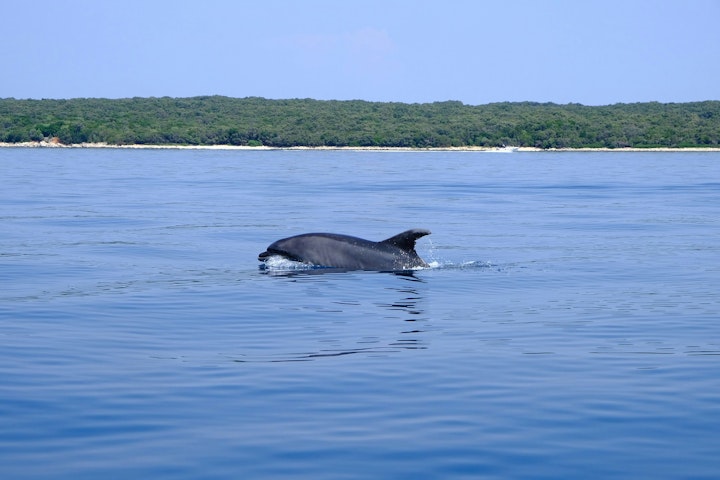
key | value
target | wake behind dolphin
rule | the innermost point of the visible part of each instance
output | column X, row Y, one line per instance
column 332, row 250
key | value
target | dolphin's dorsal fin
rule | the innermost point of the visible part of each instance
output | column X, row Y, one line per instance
column 406, row 240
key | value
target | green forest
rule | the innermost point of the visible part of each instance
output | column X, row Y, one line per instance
column 217, row 120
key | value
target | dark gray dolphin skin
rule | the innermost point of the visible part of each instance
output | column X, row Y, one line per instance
column 351, row 253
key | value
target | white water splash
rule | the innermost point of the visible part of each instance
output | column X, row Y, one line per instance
column 281, row 264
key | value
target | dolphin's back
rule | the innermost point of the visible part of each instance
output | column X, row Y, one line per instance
column 352, row 253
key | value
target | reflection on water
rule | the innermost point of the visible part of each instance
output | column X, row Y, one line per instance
column 373, row 320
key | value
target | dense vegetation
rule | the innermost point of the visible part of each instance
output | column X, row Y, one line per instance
column 219, row 120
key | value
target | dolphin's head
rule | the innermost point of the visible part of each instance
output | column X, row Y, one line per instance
column 276, row 249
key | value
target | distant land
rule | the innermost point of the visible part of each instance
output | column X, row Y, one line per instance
column 259, row 122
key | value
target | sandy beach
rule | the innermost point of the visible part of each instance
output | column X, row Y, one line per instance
column 45, row 144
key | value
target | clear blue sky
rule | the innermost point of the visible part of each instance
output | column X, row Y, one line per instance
column 593, row 52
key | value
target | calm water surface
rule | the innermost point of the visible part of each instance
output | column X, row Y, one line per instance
column 568, row 328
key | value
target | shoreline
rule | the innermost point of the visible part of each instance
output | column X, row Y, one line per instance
column 44, row 144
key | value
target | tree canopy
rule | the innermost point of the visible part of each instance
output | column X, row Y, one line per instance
column 217, row 120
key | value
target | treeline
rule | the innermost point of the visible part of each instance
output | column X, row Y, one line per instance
column 216, row 120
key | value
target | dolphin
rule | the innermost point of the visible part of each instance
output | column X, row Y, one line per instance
column 332, row 250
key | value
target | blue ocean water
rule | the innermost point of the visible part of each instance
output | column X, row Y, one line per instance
column 569, row 326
